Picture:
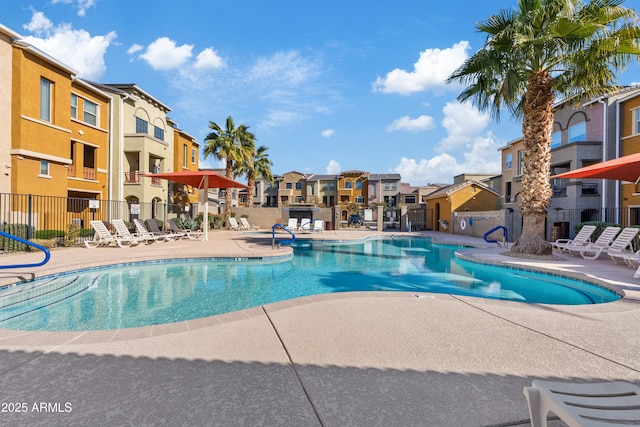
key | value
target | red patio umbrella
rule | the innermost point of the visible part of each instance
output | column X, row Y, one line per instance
column 626, row 168
column 203, row 180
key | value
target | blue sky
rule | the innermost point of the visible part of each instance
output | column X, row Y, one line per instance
column 327, row 86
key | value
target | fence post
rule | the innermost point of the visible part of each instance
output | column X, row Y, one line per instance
column 29, row 214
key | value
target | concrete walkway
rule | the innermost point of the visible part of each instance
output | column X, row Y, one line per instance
column 347, row 359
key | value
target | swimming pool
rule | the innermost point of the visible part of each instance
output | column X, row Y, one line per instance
column 151, row 293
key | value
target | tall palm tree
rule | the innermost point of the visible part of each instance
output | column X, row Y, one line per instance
column 534, row 53
column 231, row 145
column 257, row 164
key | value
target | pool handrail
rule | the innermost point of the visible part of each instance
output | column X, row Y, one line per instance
column 47, row 254
column 273, row 235
column 496, row 228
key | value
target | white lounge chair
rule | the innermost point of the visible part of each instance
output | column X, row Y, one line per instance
column 618, row 246
column 103, row 237
column 145, row 234
column 318, row 225
column 584, row 404
column 305, row 224
column 123, row 233
column 181, row 232
column 246, row 225
column 622, row 246
column 292, row 225
column 233, row 224
column 581, row 239
column 152, row 225
column 603, row 240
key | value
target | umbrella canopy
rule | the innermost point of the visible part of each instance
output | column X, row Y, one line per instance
column 202, row 180
column 626, row 168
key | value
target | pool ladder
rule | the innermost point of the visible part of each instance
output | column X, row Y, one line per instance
column 285, row 242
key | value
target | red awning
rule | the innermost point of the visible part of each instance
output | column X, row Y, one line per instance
column 626, row 168
column 197, row 179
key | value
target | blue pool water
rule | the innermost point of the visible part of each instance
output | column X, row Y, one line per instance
column 142, row 294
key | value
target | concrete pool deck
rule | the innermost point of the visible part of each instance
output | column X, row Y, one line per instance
column 374, row 359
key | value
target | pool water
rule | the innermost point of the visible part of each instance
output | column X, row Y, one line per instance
column 142, row 294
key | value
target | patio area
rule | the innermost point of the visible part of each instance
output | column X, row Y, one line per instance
column 359, row 359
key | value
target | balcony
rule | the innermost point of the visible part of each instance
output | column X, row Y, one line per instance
column 589, row 189
column 132, row 177
column 71, row 171
column 89, row 173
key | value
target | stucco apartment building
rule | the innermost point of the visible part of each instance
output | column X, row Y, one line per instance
column 6, row 83
column 584, row 133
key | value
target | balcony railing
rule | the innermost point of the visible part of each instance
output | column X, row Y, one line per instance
column 155, row 181
column 132, row 177
column 71, row 171
column 590, row 188
column 89, row 173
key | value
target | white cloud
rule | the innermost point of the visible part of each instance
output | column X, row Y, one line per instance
column 208, row 59
column 333, row 168
column 327, row 133
column 464, row 149
column 82, row 5
column 289, row 67
column 75, row 48
column 408, row 124
column 463, row 122
column 164, row 54
column 135, row 48
column 430, row 72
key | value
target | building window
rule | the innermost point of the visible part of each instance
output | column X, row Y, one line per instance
column 373, row 190
column 74, row 106
column 44, row 168
column 45, row 99
column 298, row 186
column 556, row 139
column 507, row 192
column 90, row 113
column 329, row 186
column 184, row 156
column 359, row 200
column 141, row 126
column 299, row 199
column 638, row 121
column 520, row 162
column 358, row 185
column 389, row 186
column 193, row 156
column 578, row 132
column 288, row 186
column 410, row 200
column 158, row 133
column 508, row 161
column 348, row 185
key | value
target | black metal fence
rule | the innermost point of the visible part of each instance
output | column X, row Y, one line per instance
column 64, row 221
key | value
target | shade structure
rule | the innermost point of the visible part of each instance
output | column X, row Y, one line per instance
column 626, row 168
column 202, row 180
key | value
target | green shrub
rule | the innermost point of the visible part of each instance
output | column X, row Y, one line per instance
column 49, row 234
column 18, row 230
column 73, row 232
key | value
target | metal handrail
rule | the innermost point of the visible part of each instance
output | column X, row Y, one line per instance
column 47, row 254
column 273, row 235
column 499, row 227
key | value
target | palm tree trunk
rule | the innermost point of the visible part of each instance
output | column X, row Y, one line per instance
column 537, row 125
column 251, row 183
column 227, row 195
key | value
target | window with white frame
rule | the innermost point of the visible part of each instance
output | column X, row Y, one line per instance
column 520, row 162
column 44, row 168
column 348, row 184
column 637, row 121
column 74, row 106
column 508, row 161
column 193, row 156
column 46, row 89
column 90, row 111
column 184, row 156
column 359, row 200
